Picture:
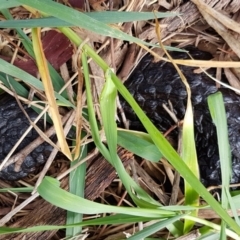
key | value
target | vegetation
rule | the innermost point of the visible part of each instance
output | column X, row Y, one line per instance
column 143, row 208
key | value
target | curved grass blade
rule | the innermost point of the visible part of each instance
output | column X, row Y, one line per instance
column 139, row 196
column 138, row 143
column 49, row 189
column 108, row 109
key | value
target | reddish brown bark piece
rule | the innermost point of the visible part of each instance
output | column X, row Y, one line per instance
column 57, row 49
column 100, row 175
column 77, row 3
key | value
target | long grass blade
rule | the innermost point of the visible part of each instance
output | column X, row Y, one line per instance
column 139, row 196
column 108, row 17
column 46, row 79
column 113, row 219
column 49, row 189
column 76, row 187
column 188, row 148
column 155, row 228
column 218, row 113
column 79, row 19
column 108, row 109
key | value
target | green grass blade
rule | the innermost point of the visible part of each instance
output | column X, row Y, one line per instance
column 91, row 113
column 79, row 19
column 11, row 70
column 137, row 143
column 76, row 187
column 232, row 206
column 113, row 219
column 10, row 82
column 189, row 156
column 8, row 4
column 108, row 111
column 108, row 17
column 209, row 236
column 49, row 189
column 155, row 228
column 218, row 113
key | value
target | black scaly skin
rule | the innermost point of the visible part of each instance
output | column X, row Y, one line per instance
column 153, row 84
column 13, row 123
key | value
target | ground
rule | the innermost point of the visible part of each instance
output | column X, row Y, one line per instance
column 212, row 27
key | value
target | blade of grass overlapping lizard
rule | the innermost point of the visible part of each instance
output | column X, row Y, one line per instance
column 142, row 198
column 218, row 113
column 188, row 148
column 46, row 79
